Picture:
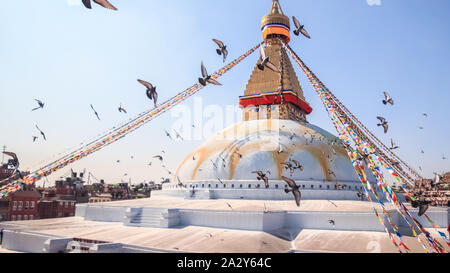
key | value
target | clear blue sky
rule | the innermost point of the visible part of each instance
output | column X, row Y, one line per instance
column 70, row 57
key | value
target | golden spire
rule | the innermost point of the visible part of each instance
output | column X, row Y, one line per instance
column 276, row 22
column 274, row 9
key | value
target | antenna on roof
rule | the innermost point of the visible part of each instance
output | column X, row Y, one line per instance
column 3, row 155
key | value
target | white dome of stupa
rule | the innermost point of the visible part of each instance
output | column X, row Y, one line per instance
column 263, row 145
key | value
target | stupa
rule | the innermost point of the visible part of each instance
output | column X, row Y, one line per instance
column 222, row 206
column 274, row 132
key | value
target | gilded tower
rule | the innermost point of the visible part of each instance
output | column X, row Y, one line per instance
column 270, row 94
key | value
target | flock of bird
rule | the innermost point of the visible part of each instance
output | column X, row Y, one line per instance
column 264, row 62
column 384, row 123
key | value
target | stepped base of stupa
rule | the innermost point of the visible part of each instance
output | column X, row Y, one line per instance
column 169, row 224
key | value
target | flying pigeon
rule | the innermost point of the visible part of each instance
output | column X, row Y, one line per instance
column 179, row 182
column 262, row 176
column 425, row 115
column 360, row 194
column 393, row 146
column 95, row 112
column 437, row 179
column 206, row 78
column 229, row 205
column 297, row 165
column 332, row 222
column 265, row 61
column 300, row 28
column 422, row 208
column 294, row 189
column 222, row 50
column 103, row 3
column 40, row 103
column 168, row 134
column 158, row 157
column 151, row 91
column 42, row 133
column 34, row 138
column 178, row 135
column 387, row 99
column 383, row 123
column 121, row 109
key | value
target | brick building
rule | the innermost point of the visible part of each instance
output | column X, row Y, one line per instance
column 54, row 205
column 22, row 205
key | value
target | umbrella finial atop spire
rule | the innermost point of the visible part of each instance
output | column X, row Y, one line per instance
column 276, row 8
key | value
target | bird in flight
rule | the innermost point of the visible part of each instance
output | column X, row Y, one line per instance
column 168, row 134
column 95, row 112
column 360, row 194
column 178, row 135
column 229, row 205
column 332, row 222
column 443, row 157
column 265, row 62
column 103, row 3
column 151, row 91
column 121, row 109
column 34, row 138
column 206, row 78
column 158, row 157
column 297, row 165
column 300, row 28
column 425, row 115
column 40, row 103
column 393, row 145
column 383, row 123
column 262, row 176
column 387, row 99
column 179, row 182
column 42, row 133
column 222, row 50
column 294, row 189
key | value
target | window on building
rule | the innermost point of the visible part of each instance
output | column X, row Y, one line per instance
column 13, row 218
column 303, row 186
column 320, row 186
column 66, row 204
column 328, row 187
column 224, row 185
column 14, row 205
column 19, row 207
column 276, row 186
column 203, row 185
column 25, row 217
column 209, row 185
column 249, row 186
column 217, row 185
column 232, row 185
column 27, row 204
column 32, row 204
column 31, row 217
column 312, row 186
column 19, row 217
column 240, row 186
